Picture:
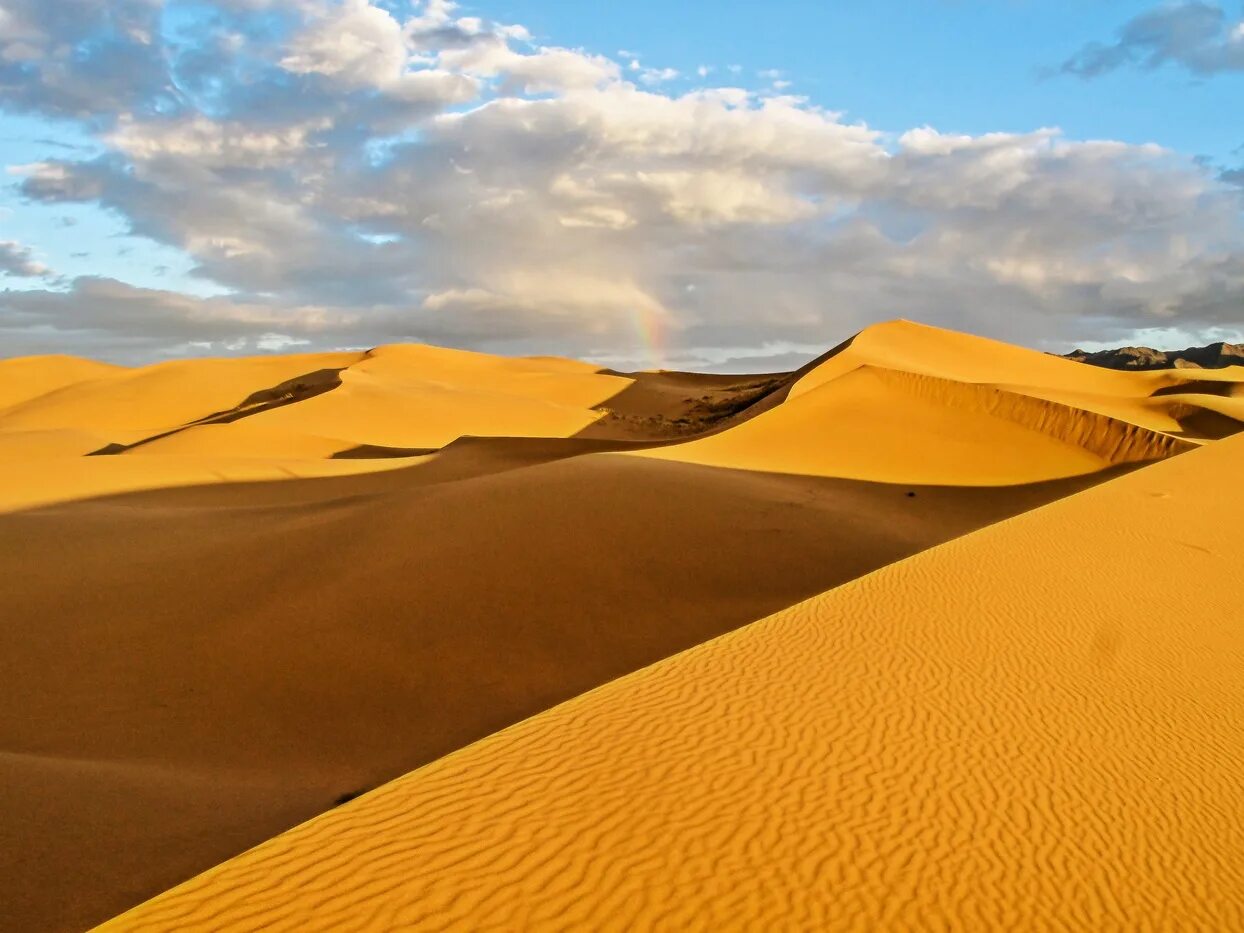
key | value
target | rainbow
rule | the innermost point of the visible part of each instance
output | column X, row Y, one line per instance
column 650, row 326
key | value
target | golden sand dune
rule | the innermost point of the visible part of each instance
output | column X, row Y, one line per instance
column 426, row 397
column 215, row 420
column 933, row 351
column 277, row 581
column 28, row 446
column 1037, row 726
column 28, row 377
column 129, row 405
column 902, row 427
column 916, row 404
column 1143, row 399
column 38, row 481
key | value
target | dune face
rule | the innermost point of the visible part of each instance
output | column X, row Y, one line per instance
column 239, row 592
column 998, row 733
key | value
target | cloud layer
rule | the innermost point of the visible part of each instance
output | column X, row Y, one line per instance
column 350, row 176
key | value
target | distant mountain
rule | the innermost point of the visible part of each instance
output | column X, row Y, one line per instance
column 1214, row 356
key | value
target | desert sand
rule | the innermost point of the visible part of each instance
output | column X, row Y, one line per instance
column 1035, row 726
column 240, row 592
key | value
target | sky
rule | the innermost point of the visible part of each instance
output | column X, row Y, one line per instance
column 704, row 185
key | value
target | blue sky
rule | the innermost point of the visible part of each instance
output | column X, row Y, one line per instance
column 564, row 176
column 964, row 67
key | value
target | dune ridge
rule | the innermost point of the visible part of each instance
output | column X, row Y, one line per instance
column 28, row 377
column 982, row 735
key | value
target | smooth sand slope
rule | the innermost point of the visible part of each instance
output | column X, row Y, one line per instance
column 277, row 581
column 1035, row 726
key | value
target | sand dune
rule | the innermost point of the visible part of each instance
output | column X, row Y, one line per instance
column 915, row 404
column 1036, row 725
column 129, row 405
column 412, row 396
column 902, row 427
column 310, row 405
column 1131, row 397
column 289, row 579
column 204, row 421
column 28, row 377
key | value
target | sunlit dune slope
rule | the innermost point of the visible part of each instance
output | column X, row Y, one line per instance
column 426, row 397
column 54, row 443
column 130, row 405
column 1037, row 725
column 30, row 483
column 915, row 404
column 27, row 377
column 401, row 396
column 1139, row 398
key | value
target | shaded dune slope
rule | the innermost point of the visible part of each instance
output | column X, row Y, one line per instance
column 1028, row 726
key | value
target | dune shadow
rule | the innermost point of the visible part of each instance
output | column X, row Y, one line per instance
column 380, row 452
column 667, row 406
column 289, row 392
column 1196, row 387
column 1203, row 424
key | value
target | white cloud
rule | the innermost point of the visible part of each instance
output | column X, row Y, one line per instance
column 209, row 143
column 546, row 70
column 658, row 75
column 356, row 43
